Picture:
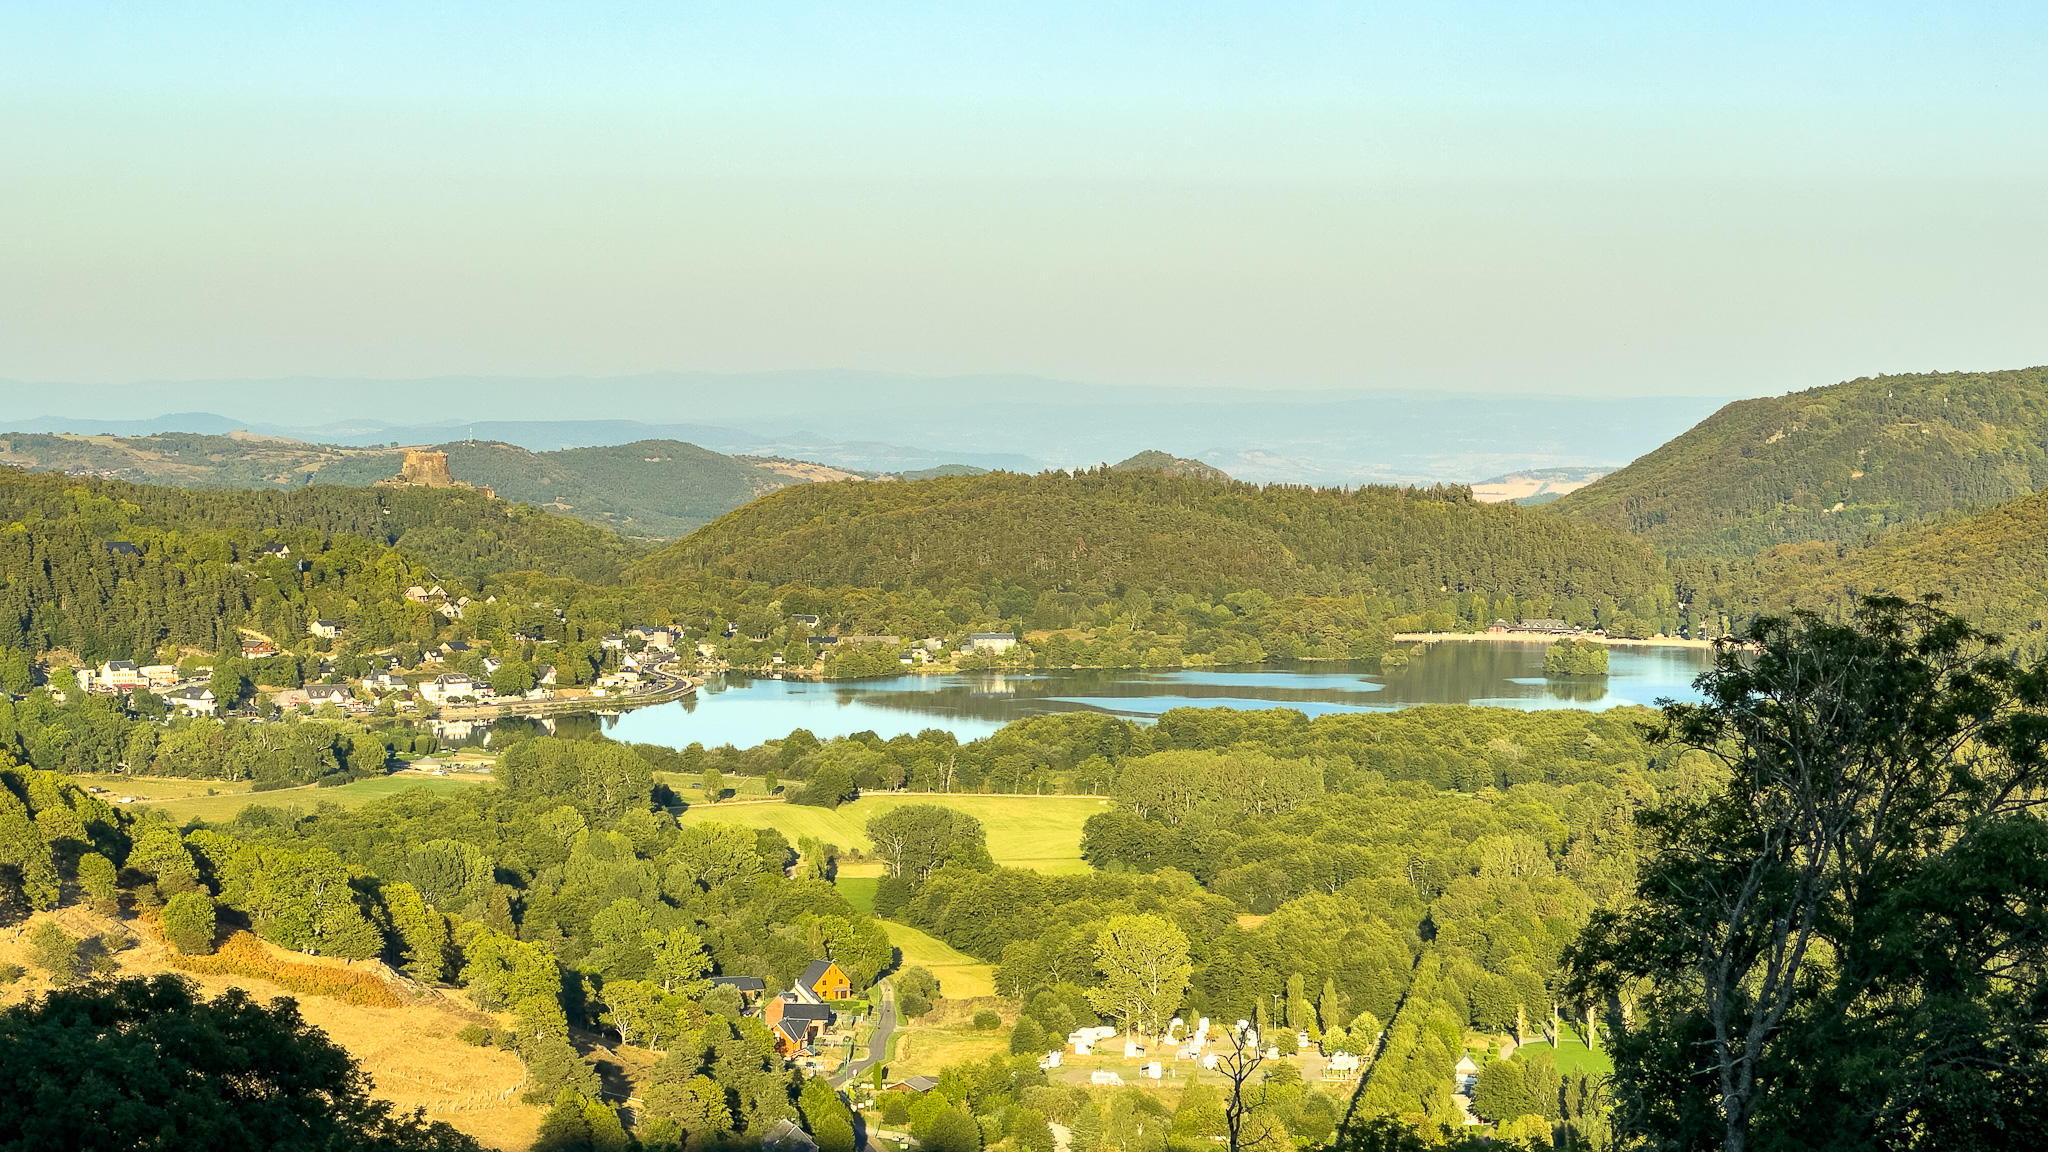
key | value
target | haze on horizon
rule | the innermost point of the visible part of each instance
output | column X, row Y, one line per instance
column 1615, row 200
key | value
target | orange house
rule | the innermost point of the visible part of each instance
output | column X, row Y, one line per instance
column 823, row 981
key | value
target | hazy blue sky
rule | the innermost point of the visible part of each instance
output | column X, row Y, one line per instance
column 1600, row 198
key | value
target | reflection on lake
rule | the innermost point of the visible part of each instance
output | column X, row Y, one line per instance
column 745, row 710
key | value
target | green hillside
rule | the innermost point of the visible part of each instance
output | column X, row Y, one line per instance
column 651, row 488
column 110, row 569
column 1831, row 464
column 1105, row 530
column 1988, row 567
column 1158, row 461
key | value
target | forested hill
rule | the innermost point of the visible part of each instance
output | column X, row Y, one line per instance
column 650, row 488
column 114, row 570
column 1986, row 567
column 1105, row 529
column 1834, row 464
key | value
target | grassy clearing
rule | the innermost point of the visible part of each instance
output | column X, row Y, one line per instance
column 192, row 802
column 690, row 788
column 859, row 891
column 1042, row 833
column 1573, row 1057
column 929, row 1051
column 960, row 976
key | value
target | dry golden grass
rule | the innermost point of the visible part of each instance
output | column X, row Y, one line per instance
column 409, row 1050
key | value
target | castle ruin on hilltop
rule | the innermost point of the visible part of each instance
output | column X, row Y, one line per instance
column 425, row 468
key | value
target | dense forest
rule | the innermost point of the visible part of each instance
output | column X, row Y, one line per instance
column 1104, row 531
column 105, row 569
column 1831, row 464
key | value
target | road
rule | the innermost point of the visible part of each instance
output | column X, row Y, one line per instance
column 878, row 1044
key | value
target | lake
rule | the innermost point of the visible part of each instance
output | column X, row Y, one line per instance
column 745, row 710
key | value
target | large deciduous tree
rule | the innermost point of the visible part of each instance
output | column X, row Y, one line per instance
column 1145, row 970
column 1842, row 946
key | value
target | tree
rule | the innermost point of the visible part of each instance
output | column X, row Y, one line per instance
column 680, row 962
column 230, row 684
column 1503, row 1092
column 919, row 839
column 423, row 930
column 96, row 876
column 188, row 921
column 1237, row 1066
column 951, row 1131
column 85, row 1070
column 826, row 1116
column 1145, row 969
column 54, row 951
column 714, row 785
column 1841, row 945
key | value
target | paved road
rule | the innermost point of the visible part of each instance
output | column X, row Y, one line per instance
column 878, row 1045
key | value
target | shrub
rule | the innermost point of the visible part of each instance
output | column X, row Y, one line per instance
column 241, row 954
column 474, row 1035
column 988, row 1020
column 9, row 973
column 54, row 951
column 188, row 922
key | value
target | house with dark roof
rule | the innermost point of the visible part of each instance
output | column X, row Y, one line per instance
column 823, row 981
column 274, row 548
column 785, row 1136
column 750, row 988
column 913, row 1084
column 794, row 1022
column 123, row 548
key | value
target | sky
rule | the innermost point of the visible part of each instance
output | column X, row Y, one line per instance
column 1589, row 198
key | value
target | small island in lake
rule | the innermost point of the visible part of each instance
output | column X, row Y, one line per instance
column 1575, row 658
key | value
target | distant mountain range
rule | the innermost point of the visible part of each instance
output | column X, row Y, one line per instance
column 648, row 488
column 884, row 423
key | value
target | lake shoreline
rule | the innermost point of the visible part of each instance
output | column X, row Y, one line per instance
column 1545, row 638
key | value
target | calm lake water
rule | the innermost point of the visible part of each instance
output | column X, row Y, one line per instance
column 744, row 711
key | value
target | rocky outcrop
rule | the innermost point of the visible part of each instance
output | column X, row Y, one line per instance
column 426, row 468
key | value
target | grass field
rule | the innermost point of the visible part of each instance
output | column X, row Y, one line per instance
column 1573, row 1057
column 960, row 976
column 859, row 891
column 1042, row 833
column 187, row 799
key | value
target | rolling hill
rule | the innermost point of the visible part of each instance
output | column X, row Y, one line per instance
column 650, row 488
column 1831, row 464
column 1144, row 528
column 1988, row 567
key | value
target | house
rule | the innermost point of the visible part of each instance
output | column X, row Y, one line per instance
column 1550, row 627
column 614, row 641
column 455, row 648
column 274, row 548
column 123, row 548
column 750, row 988
column 336, row 694
column 1497, row 627
column 255, row 648
column 545, row 674
column 656, row 637
column 913, row 1084
column 160, row 675
column 992, row 641
column 194, row 698
column 794, row 1022
column 416, row 594
column 1466, row 1074
column 446, row 687
column 121, row 674
column 384, row 682
column 805, row 619
column 491, row 665
column 325, row 629
column 786, row 1136
column 823, row 981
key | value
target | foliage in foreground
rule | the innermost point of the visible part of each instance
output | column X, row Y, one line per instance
column 150, row 1064
column 1845, row 947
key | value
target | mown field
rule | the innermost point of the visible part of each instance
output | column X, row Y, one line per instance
column 1042, row 833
